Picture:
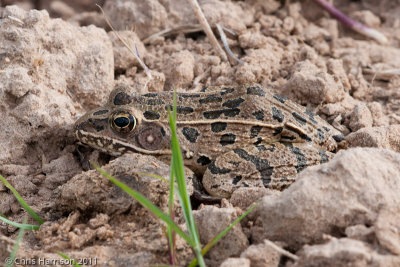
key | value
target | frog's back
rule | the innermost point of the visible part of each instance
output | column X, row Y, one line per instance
column 254, row 113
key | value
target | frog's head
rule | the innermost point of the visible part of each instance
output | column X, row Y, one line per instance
column 120, row 127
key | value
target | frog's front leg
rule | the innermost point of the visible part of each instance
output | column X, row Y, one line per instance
column 272, row 166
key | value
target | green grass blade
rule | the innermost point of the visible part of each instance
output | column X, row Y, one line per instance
column 146, row 203
column 20, row 225
column 21, row 201
column 20, row 235
column 171, row 234
column 178, row 168
column 180, row 176
column 221, row 234
column 68, row 258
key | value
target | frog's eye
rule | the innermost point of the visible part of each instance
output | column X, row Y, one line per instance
column 123, row 122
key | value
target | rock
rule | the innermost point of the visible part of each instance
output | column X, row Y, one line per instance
column 226, row 13
column 48, row 69
column 360, row 117
column 75, row 5
column 255, row 40
column 378, row 116
column 346, row 191
column 243, row 197
column 381, row 137
column 309, row 83
column 267, row 7
column 336, row 69
column 344, row 252
column 100, row 220
column 179, row 70
column 211, row 221
column 260, row 64
column 367, row 18
column 142, row 258
column 262, row 255
column 331, row 25
column 387, row 229
column 149, row 17
column 60, row 170
column 146, row 17
column 235, row 262
column 361, row 232
column 107, row 198
column 123, row 58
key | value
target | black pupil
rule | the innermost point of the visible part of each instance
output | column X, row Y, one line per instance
column 121, row 122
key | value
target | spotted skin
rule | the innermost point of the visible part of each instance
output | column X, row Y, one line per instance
column 274, row 166
column 232, row 136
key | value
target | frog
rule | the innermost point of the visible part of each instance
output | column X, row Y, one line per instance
column 230, row 136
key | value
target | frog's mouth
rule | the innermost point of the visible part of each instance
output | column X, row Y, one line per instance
column 114, row 146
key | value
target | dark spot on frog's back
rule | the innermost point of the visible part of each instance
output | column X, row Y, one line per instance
column 324, row 156
column 225, row 91
column 100, row 112
column 236, row 179
column 121, row 98
column 204, row 160
column 305, row 137
column 181, row 109
column 259, row 115
column 215, row 170
column 151, row 115
column 214, row 114
column 254, row 131
column 154, row 102
column 255, row 90
column 227, row 139
column 258, row 142
column 326, row 128
column 280, row 98
column 217, row 127
column 278, row 131
column 311, row 116
column 262, row 165
column 299, row 118
column 233, row 103
column 277, row 114
column 320, row 134
column 210, row 99
column 301, row 158
column 232, row 112
column 189, row 95
column 190, row 134
column 150, row 95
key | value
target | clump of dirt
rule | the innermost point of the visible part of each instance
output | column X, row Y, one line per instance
column 344, row 212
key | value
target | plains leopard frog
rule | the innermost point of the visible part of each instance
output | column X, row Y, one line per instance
column 232, row 136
